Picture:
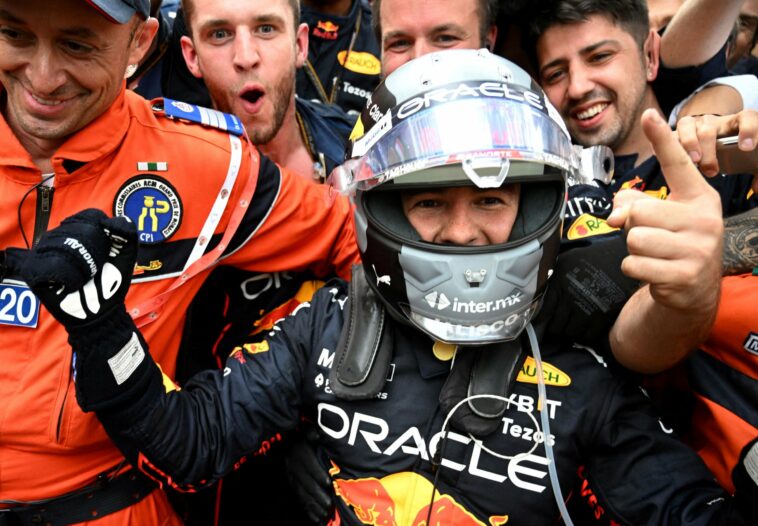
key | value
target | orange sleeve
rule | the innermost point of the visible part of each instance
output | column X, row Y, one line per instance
column 303, row 230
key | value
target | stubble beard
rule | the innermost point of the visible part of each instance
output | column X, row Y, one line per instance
column 281, row 95
column 616, row 133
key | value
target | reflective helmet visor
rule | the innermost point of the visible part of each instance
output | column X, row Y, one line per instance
column 485, row 139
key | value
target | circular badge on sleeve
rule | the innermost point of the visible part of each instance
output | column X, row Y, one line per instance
column 152, row 204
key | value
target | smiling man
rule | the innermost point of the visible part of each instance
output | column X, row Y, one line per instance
column 72, row 137
column 43, row 109
column 596, row 62
column 597, row 71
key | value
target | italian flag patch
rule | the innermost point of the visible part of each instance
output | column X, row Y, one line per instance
column 152, row 167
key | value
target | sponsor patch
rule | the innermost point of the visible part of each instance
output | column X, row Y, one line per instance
column 255, row 348
column 327, row 30
column 360, row 62
column 152, row 204
column 587, row 225
column 438, row 300
column 553, row 376
column 153, row 265
column 471, row 90
column 379, row 130
column 18, row 306
column 126, row 361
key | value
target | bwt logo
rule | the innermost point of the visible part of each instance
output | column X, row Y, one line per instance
column 751, row 343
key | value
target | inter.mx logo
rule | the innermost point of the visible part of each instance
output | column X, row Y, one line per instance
column 439, row 301
column 751, row 343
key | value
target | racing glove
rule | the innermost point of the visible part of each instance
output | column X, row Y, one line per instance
column 308, row 478
column 587, row 291
column 81, row 272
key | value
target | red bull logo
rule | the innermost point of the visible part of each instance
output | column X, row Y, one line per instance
column 305, row 293
column 404, row 499
column 638, row 184
column 634, row 184
column 327, row 30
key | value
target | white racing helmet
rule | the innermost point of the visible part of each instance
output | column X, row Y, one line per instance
column 453, row 118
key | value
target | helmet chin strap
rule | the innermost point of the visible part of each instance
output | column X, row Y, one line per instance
column 364, row 350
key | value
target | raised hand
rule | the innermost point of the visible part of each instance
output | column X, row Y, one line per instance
column 82, row 269
column 674, row 245
column 81, row 272
column 675, row 249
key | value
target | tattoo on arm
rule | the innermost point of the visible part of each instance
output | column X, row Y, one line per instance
column 741, row 243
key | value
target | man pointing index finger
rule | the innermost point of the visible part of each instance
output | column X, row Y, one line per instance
column 675, row 244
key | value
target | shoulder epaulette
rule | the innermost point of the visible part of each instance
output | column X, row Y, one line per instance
column 189, row 112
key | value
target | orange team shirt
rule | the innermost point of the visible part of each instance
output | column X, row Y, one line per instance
column 723, row 377
column 166, row 175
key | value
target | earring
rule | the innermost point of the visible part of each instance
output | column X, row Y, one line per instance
column 130, row 70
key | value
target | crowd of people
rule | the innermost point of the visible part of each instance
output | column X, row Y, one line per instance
column 387, row 262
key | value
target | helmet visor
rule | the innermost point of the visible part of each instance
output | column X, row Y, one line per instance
column 483, row 140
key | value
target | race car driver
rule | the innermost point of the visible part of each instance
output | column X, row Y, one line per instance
column 418, row 375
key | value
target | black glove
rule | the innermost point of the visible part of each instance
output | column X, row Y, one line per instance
column 81, row 272
column 308, row 478
column 587, row 291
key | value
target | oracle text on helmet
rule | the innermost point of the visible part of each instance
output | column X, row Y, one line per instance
column 485, row 89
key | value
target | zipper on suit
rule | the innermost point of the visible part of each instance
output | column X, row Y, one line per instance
column 59, row 424
column 42, row 214
column 41, row 220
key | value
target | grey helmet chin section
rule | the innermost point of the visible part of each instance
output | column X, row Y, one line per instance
column 465, row 295
column 459, row 117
